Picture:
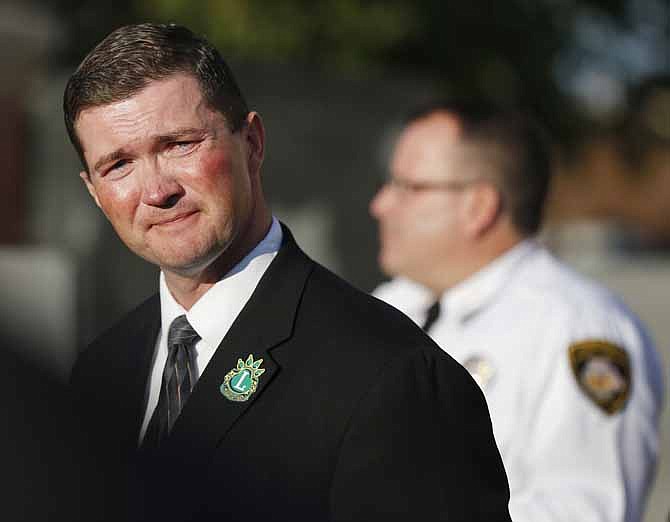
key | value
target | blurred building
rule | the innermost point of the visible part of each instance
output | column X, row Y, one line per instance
column 36, row 277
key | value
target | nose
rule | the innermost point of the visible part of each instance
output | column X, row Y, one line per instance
column 160, row 188
column 381, row 202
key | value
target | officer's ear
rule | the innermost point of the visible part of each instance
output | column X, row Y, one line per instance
column 254, row 137
column 86, row 178
column 483, row 207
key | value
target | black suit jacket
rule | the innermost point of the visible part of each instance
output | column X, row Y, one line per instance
column 51, row 472
column 359, row 416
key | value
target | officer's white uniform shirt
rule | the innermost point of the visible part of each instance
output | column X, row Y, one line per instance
column 511, row 324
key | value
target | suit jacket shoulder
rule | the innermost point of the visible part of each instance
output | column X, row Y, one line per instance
column 110, row 376
column 417, row 438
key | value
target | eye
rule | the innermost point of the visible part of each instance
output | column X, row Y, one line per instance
column 181, row 147
column 117, row 167
column 119, row 164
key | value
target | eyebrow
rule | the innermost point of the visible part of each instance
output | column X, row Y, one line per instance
column 160, row 138
column 108, row 158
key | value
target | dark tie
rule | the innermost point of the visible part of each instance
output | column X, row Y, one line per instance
column 179, row 377
column 431, row 316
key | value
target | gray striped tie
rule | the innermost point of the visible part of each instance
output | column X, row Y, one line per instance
column 179, row 377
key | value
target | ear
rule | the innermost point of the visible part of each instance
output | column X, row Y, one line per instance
column 483, row 207
column 86, row 178
column 255, row 141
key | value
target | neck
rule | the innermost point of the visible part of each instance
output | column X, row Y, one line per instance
column 481, row 255
column 188, row 288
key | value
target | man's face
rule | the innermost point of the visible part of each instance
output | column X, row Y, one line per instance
column 177, row 186
column 420, row 210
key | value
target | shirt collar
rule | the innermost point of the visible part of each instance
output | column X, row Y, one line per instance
column 213, row 314
column 474, row 293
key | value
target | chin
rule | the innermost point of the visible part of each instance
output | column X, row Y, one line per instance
column 190, row 265
column 186, row 255
column 182, row 265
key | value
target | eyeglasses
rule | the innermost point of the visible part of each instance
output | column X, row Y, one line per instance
column 414, row 187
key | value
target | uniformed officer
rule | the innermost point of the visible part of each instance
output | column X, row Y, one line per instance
column 572, row 380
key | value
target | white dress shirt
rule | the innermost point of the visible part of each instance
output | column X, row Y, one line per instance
column 213, row 314
column 511, row 324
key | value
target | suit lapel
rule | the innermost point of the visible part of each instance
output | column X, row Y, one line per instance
column 133, row 352
column 265, row 322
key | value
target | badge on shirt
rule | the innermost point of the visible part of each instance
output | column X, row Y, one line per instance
column 602, row 370
column 241, row 382
column 481, row 370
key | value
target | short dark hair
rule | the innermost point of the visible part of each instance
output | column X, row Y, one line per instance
column 646, row 122
column 523, row 170
column 130, row 57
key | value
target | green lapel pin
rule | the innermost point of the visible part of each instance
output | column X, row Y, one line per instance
column 241, row 382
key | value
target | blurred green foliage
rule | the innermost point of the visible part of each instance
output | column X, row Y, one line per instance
column 342, row 33
column 502, row 50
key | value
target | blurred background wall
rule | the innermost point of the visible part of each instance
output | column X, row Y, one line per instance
column 332, row 78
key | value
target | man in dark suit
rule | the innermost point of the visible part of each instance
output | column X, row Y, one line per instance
column 313, row 401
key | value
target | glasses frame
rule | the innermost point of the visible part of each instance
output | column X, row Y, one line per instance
column 415, row 187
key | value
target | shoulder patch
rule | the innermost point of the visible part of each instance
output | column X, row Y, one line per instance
column 602, row 370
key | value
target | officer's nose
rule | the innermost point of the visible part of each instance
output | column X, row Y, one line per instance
column 160, row 188
column 381, row 202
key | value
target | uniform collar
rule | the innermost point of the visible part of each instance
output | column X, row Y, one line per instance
column 213, row 314
column 474, row 293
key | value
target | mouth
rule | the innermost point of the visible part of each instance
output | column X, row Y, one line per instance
column 174, row 220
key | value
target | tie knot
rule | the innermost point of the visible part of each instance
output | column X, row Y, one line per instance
column 181, row 332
